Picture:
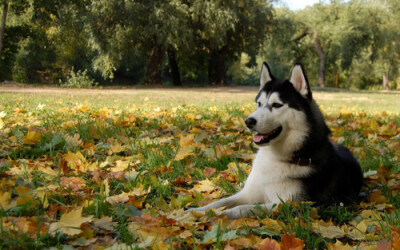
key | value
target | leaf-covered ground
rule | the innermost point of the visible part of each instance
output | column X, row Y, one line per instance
column 118, row 171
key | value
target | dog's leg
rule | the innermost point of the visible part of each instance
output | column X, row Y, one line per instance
column 246, row 210
column 229, row 202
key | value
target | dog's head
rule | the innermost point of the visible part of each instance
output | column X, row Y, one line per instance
column 281, row 108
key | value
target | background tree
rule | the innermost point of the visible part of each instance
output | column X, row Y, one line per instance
column 11, row 36
column 351, row 44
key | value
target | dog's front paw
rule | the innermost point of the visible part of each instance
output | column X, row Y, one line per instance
column 234, row 213
column 196, row 209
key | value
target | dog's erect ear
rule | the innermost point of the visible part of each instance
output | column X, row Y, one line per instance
column 299, row 80
column 266, row 75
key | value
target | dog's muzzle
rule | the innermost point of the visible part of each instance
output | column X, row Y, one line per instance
column 251, row 122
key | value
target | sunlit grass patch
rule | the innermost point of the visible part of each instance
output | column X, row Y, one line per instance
column 133, row 162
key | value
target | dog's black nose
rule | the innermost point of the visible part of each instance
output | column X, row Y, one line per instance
column 250, row 122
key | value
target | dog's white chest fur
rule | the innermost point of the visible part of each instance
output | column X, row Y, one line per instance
column 271, row 180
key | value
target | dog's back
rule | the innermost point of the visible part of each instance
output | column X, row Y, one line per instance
column 337, row 176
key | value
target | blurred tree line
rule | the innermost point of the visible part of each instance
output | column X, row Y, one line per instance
column 348, row 44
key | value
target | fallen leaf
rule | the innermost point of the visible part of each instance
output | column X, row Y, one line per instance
column 70, row 223
column 384, row 245
column 185, row 147
column 395, row 239
column 268, row 244
column 5, row 201
column 74, row 183
column 105, row 223
column 32, row 137
column 204, row 186
column 339, row 246
column 327, row 229
column 24, row 195
column 289, row 241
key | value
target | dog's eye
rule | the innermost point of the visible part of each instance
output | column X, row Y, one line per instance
column 276, row 105
column 258, row 104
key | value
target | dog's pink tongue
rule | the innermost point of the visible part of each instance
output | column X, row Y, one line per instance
column 257, row 137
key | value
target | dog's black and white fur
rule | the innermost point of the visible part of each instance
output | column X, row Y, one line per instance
column 296, row 160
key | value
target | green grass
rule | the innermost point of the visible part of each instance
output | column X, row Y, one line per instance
column 144, row 127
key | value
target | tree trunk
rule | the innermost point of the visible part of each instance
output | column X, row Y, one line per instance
column 386, row 81
column 154, row 63
column 321, row 56
column 336, row 78
column 3, row 26
column 216, row 67
column 173, row 64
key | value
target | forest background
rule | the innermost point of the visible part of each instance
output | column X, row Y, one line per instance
column 348, row 44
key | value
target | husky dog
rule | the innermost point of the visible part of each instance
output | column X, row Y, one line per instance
column 296, row 160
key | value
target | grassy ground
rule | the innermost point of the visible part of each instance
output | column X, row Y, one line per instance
column 105, row 168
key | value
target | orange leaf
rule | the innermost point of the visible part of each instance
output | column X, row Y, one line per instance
column 383, row 245
column 377, row 197
column 289, row 241
column 267, row 244
column 74, row 183
column 209, row 171
column 395, row 239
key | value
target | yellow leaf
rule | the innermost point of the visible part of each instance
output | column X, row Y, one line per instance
column 139, row 190
column 204, row 186
column 184, row 219
column 105, row 223
column 70, row 223
column 5, row 201
column 74, row 161
column 121, row 166
column 186, row 140
column 339, row 246
column 106, row 188
column 73, row 141
column 1, row 124
column 272, row 225
column 327, row 229
column 41, row 193
column 32, row 137
column 185, row 234
column 184, row 152
column 23, row 194
column 118, row 199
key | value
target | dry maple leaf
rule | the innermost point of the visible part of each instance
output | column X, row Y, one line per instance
column 32, row 137
column 5, row 201
column 383, row 245
column 395, row 239
column 267, row 244
column 105, row 223
column 74, row 183
column 74, row 160
column 289, row 241
column 24, row 194
column 70, row 223
column 340, row 246
column 185, row 147
column 73, row 141
column 204, row 186
column 327, row 229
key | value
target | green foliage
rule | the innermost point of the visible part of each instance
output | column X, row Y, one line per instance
column 79, row 79
column 127, row 41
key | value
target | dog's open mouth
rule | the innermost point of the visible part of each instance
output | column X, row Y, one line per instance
column 266, row 138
